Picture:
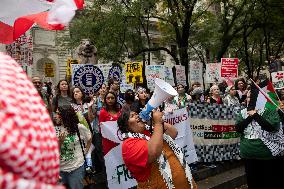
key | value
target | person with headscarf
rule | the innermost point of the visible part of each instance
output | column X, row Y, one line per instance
column 29, row 151
column 230, row 98
column 255, row 126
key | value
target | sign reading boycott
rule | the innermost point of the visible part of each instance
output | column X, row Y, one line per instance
column 133, row 72
column 87, row 76
column 229, row 67
column 118, row 175
column 214, row 133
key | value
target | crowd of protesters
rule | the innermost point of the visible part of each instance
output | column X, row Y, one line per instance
column 69, row 106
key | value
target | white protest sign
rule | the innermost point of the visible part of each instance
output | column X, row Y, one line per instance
column 278, row 79
column 195, row 72
column 105, row 68
column 213, row 72
column 152, row 72
column 169, row 77
column 180, row 120
column 180, row 74
column 118, row 175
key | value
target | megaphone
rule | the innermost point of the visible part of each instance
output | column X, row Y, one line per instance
column 162, row 92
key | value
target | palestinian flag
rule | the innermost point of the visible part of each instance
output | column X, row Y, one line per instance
column 263, row 96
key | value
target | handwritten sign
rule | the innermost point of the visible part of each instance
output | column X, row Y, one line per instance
column 195, row 72
column 152, row 72
column 133, row 72
column 213, row 72
column 180, row 74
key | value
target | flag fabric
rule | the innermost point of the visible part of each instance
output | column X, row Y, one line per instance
column 18, row 16
column 263, row 96
column 29, row 150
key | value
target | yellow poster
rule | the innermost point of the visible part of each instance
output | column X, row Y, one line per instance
column 68, row 68
column 134, row 72
column 49, row 70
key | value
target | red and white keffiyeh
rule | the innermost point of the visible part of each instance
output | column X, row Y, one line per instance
column 29, row 152
column 18, row 16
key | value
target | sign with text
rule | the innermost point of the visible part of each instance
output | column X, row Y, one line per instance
column 214, row 132
column 229, row 67
column 195, row 72
column 69, row 67
column 180, row 74
column 169, row 77
column 87, row 76
column 133, row 72
column 212, row 74
column 152, row 72
column 278, row 79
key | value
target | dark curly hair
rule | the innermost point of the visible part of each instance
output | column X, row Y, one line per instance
column 69, row 119
column 122, row 121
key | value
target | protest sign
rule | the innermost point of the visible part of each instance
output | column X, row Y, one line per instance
column 105, row 68
column 169, row 77
column 229, row 67
column 87, row 76
column 214, row 132
column 133, row 72
column 195, row 72
column 180, row 74
column 152, row 72
column 278, row 79
column 212, row 74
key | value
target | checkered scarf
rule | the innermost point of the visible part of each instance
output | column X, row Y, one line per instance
column 29, row 155
column 164, row 165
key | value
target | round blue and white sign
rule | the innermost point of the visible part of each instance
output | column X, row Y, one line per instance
column 89, row 77
column 115, row 72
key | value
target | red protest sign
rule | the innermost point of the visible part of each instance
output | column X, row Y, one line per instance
column 229, row 67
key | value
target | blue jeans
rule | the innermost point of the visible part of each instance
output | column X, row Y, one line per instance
column 74, row 179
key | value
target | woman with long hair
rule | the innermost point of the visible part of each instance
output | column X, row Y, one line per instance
column 72, row 169
column 141, row 98
column 62, row 96
column 81, row 106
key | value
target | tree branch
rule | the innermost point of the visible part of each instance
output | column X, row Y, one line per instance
column 153, row 50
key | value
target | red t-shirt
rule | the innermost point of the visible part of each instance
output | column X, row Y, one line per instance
column 103, row 117
column 135, row 156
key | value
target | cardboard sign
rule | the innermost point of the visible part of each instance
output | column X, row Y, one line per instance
column 229, row 67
